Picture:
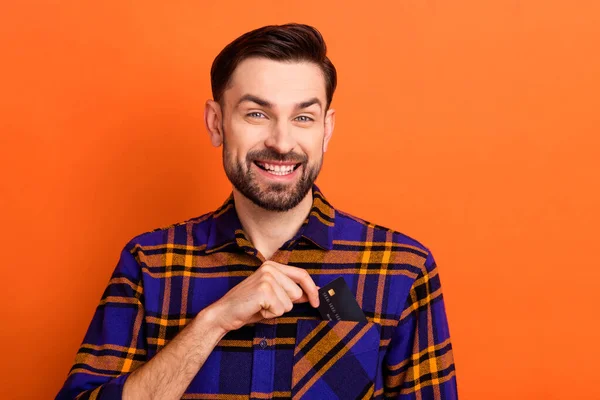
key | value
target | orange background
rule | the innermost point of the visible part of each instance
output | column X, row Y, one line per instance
column 470, row 125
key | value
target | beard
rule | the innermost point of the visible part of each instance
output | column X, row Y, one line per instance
column 275, row 196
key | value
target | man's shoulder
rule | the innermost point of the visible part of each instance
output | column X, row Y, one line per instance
column 349, row 228
column 178, row 233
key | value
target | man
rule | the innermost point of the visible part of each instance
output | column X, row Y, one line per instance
column 223, row 306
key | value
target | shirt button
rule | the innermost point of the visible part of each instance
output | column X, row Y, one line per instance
column 263, row 343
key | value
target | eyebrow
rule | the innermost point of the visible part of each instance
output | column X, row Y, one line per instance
column 308, row 103
column 267, row 104
column 254, row 99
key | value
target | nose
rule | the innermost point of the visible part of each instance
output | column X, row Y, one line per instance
column 281, row 138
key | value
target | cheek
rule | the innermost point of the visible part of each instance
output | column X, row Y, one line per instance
column 244, row 137
column 237, row 145
column 312, row 146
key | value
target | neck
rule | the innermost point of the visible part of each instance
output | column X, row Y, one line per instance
column 269, row 230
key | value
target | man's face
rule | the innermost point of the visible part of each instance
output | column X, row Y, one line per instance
column 275, row 130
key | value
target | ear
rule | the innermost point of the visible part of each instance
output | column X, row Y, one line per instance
column 329, row 125
column 213, row 118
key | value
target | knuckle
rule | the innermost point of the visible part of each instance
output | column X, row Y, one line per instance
column 267, row 277
column 297, row 293
column 264, row 286
column 284, row 307
column 267, row 266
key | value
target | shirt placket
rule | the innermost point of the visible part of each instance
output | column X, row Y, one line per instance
column 263, row 360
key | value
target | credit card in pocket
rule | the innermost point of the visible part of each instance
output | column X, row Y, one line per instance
column 337, row 303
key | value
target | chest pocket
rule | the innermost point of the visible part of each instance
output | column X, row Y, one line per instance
column 335, row 359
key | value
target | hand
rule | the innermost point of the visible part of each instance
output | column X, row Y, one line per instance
column 267, row 293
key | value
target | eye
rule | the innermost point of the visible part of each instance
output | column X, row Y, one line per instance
column 304, row 118
column 256, row 114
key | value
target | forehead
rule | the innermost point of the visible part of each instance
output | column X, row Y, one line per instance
column 281, row 83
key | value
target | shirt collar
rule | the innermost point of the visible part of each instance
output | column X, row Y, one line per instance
column 318, row 226
column 225, row 228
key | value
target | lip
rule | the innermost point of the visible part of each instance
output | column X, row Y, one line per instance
column 281, row 164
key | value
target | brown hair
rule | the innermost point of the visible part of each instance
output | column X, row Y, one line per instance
column 289, row 42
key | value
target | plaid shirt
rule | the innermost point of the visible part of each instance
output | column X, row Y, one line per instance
column 165, row 277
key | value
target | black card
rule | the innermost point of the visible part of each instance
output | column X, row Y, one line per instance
column 337, row 303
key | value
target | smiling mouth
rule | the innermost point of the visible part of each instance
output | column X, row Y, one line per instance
column 277, row 169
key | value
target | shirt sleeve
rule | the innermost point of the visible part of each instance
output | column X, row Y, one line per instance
column 114, row 344
column 419, row 363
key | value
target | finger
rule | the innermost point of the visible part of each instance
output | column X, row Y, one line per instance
column 302, row 299
column 274, row 300
column 282, row 295
column 293, row 291
column 301, row 277
column 291, row 288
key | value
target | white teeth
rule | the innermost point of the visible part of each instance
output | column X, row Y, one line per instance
column 279, row 169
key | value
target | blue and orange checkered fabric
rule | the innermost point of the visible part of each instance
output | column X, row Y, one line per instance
column 166, row 276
